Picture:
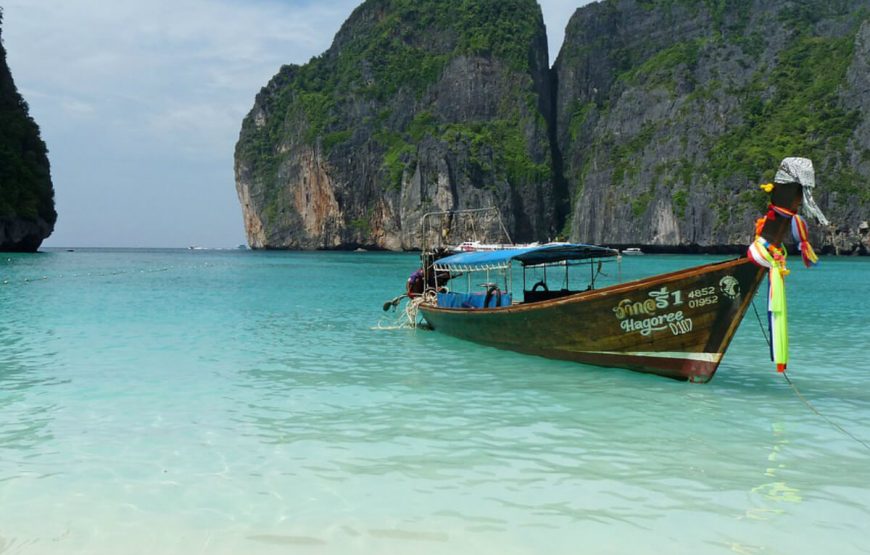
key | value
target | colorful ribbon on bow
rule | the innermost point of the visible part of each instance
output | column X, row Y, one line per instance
column 798, row 231
column 792, row 170
column 763, row 254
column 769, row 256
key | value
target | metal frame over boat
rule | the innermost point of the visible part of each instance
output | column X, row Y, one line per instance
column 677, row 324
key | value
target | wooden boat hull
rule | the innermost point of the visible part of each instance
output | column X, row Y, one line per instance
column 676, row 325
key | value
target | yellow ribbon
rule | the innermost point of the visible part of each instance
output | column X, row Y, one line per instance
column 774, row 259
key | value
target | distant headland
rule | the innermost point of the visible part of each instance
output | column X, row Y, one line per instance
column 27, row 214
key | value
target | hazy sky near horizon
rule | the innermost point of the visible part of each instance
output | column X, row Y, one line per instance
column 140, row 103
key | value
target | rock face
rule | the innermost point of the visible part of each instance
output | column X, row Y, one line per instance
column 27, row 214
column 852, row 234
column 417, row 106
column 653, row 128
column 669, row 114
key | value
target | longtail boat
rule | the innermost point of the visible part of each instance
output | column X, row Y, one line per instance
column 677, row 324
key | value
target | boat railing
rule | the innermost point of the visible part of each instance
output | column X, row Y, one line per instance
column 551, row 280
column 446, row 228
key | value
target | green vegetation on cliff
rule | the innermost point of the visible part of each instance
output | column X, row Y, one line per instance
column 687, row 104
column 802, row 115
column 25, row 182
column 790, row 108
column 389, row 49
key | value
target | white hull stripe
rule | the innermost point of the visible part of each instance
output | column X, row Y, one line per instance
column 703, row 357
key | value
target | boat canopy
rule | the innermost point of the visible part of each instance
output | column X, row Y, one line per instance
column 528, row 256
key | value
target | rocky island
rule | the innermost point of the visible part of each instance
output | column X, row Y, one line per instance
column 27, row 214
column 653, row 127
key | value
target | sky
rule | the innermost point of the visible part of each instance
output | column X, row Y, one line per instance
column 140, row 103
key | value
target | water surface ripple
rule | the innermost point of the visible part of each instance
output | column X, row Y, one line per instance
column 241, row 402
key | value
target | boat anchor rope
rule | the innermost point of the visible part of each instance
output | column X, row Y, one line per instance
column 806, row 401
column 407, row 317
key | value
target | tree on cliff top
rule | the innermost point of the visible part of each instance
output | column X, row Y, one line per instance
column 25, row 180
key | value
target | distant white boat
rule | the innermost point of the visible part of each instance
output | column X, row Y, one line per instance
column 477, row 246
column 632, row 251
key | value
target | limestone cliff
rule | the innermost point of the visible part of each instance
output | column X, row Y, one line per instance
column 27, row 214
column 669, row 113
column 653, row 128
column 417, row 106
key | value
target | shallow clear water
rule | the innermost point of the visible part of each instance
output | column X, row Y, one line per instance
column 240, row 402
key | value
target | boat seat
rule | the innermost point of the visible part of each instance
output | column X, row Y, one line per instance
column 530, row 296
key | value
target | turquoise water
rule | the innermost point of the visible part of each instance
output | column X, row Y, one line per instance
column 240, row 402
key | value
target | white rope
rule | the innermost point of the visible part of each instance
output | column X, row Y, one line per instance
column 408, row 318
column 411, row 311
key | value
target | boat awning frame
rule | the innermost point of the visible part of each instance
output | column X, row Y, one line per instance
column 560, row 253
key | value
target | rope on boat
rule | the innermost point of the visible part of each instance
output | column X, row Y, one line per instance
column 757, row 317
column 411, row 311
column 407, row 318
column 800, row 395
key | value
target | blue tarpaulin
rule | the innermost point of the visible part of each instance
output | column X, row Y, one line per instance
column 472, row 300
column 528, row 256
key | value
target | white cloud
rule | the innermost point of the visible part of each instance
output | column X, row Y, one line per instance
column 158, row 53
column 77, row 108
